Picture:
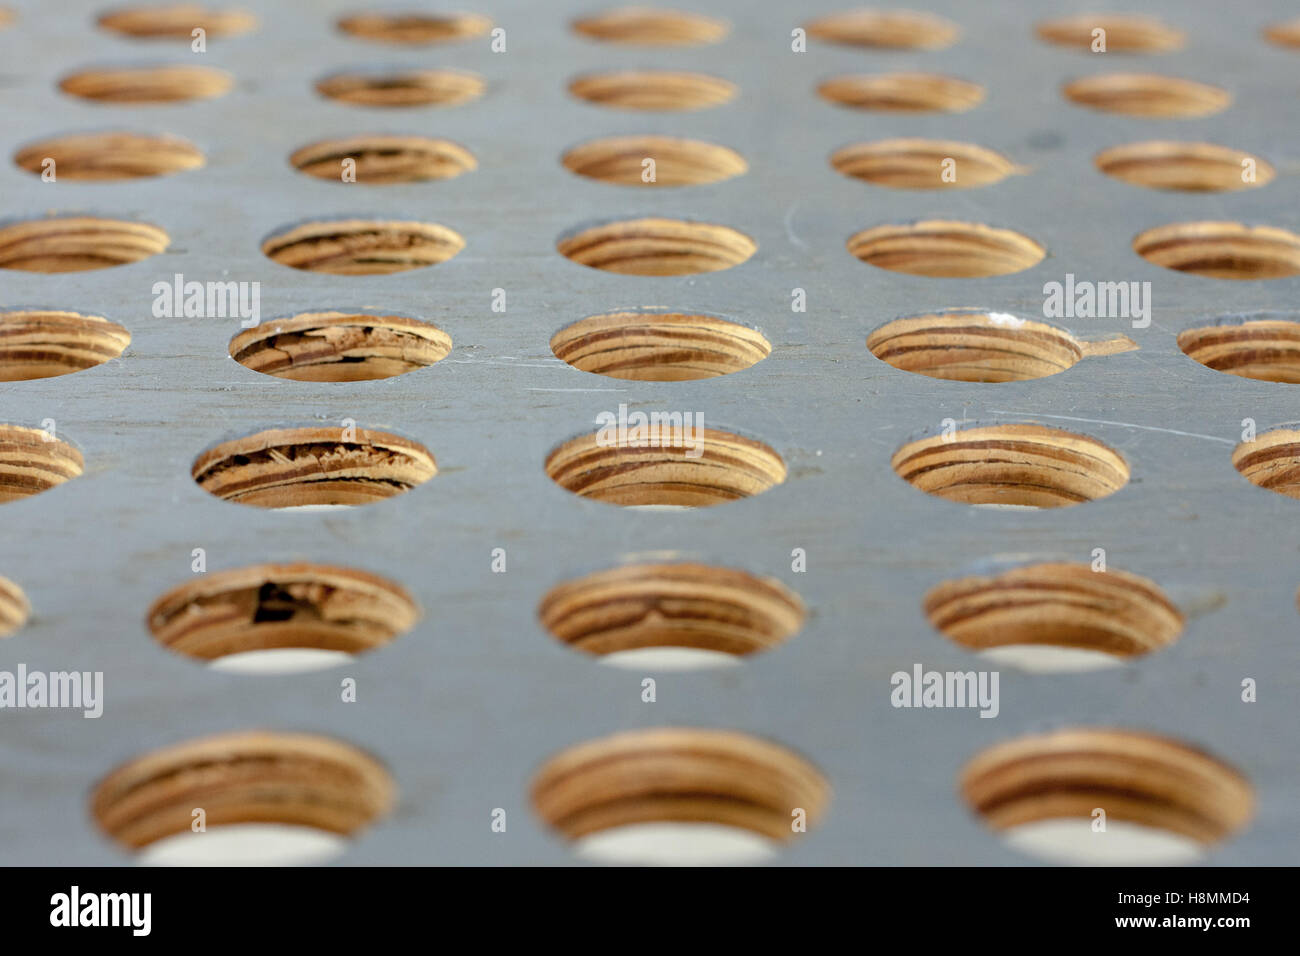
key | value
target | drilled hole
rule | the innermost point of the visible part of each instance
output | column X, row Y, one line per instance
column 677, row 162
column 293, row 467
column 415, row 29
column 14, row 609
column 280, row 606
column 902, row 92
column 1284, row 34
column 659, row 347
column 409, row 88
column 1135, row 778
column 923, row 164
column 32, row 461
column 363, row 247
column 1271, row 461
column 678, row 775
column 177, row 21
column 339, row 346
column 1263, row 349
column 1123, row 33
column 695, row 606
column 249, row 777
column 642, row 26
column 886, row 29
column 1056, row 605
column 1024, row 465
column 1147, row 94
column 1222, row 250
column 946, row 249
column 379, row 160
column 101, row 157
column 77, row 243
column 1187, row 167
column 665, row 463
column 653, row 90
column 161, row 84
column 43, row 344
column 658, row 247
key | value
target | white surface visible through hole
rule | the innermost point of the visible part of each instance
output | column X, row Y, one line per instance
column 280, row 660
column 1046, row 659
column 676, row 844
column 1121, row 844
column 245, row 844
column 669, row 659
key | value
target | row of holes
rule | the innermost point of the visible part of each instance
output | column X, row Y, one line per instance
column 681, row 776
column 941, row 248
column 897, row 163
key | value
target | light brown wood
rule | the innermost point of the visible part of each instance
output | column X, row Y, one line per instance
column 101, row 157
column 1263, row 349
column 885, row 29
column 14, row 608
column 407, row 88
column 42, row 344
column 1271, row 461
column 77, row 244
column 339, row 346
column 177, row 21
column 653, row 90
column 945, row 248
column 659, row 346
column 380, row 159
column 646, row 26
column 1125, row 33
column 658, row 247
column 1186, row 167
column 902, row 92
column 677, row 162
column 415, row 29
column 921, row 164
column 363, row 246
column 160, row 84
column 32, row 461
column 1222, row 250
column 1147, row 94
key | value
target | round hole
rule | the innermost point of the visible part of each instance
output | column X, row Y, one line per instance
column 1055, row 606
column 278, row 606
column 177, row 21
column 1263, row 349
column 1284, row 34
column 159, row 84
column 32, row 461
column 1147, row 94
column 380, row 160
column 946, row 249
column 1135, row 778
column 408, row 88
column 250, row 777
column 1025, row 465
column 339, row 346
column 677, row 775
column 669, row 465
column 293, row 467
column 688, row 606
column 77, row 244
column 1123, row 33
column 415, row 29
column 363, row 246
column 14, row 609
column 1222, row 250
column 658, row 247
column 922, row 164
column 98, row 157
column 902, row 92
column 642, row 26
column 659, row 347
column 1271, row 461
column 886, row 29
column 1187, row 167
column 43, row 344
column 677, row 162
column 653, row 90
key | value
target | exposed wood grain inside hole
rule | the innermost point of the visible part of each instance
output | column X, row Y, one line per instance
column 363, row 247
column 1263, row 349
column 653, row 90
column 886, row 30
column 659, row 347
column 339, row 346
column 32, row 461
column 1136, row 777
column 1058, row 605
column 415, row 29
column 1147, row 94
column 1222, row 250
column 677, row 162
column 946, row 249
column 281, row 605
column 100, row 157
column 658, row 247
column 1271, row 461
column 672, row 605
column 1187, row 167
column 160, row 84
column 645, row 26
column 681, row 774
column 1286, row 34
column 902, row 92
column 409, row 88
column 290, row 467
column 244, row 777
column 77, row 243
column 1124, row 33
column 177, row 21
column 1025, row 465
column 671, row 466
column 14, row 608
column 922, row 163
column 42, row 344
column 380, row 160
